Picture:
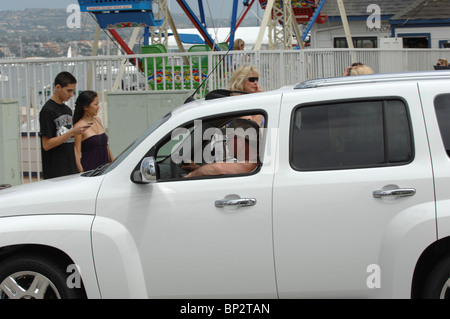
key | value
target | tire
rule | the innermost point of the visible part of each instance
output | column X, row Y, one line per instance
column 437, row 285
column 35, row 277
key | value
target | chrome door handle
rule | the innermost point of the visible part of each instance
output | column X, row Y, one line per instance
column 399, row 192
column 239, row 202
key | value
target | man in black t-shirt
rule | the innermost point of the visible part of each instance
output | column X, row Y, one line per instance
column 57, row 131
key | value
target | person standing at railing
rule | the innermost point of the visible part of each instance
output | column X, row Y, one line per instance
column 442, row 62
column 239, row 58
column 56, row 130
column 348, row 70
column 357, row 68
column 91, row 147
column 361, row 70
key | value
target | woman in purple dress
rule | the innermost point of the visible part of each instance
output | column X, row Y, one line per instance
column 91, row 147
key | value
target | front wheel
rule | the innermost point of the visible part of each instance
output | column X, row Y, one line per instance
column 438, row 282
column 35, row 277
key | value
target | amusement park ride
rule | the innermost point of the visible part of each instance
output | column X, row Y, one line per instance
column 281, row 17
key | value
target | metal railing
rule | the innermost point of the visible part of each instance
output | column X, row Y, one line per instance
column 30, row 81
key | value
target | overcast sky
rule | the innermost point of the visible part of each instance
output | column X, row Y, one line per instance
column 23, row 4
column 218, row 8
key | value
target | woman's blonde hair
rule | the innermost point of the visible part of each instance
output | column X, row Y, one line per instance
column 236, row 82
column 361, row 69
column 238, row 44
column 443, row 62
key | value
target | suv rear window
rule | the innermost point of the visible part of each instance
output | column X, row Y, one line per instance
column 353, row 134
column 442, row 107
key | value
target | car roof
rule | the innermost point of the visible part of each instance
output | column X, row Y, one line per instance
column 326, row 82
column 372, row 78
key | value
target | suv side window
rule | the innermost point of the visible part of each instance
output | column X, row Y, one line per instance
column 354, row 134
column 442, row 107
column 225, row 146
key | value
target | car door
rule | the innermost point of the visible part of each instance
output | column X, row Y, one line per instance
column 189, row 247
column 333, row 236
column 435, row 95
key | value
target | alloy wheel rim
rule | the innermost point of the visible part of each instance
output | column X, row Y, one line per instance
column 28, row 285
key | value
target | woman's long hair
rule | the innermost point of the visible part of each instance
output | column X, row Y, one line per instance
column 84, row 99
column 236, row 82
column 238, row 43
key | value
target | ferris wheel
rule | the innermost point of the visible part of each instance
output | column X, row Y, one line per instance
column 281, row 17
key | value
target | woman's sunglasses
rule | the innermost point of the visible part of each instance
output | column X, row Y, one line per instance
column 253, row 79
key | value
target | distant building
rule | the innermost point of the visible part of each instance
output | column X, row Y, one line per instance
column 385, row 24
column 248, row 34
column 52, row 47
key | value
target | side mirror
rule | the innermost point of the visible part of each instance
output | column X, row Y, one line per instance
column 148, row 170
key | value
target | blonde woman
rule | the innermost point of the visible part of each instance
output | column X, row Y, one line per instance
column 245, row 79
column 361, row 69
column 442, row 62
column 357, row 69
column 240, row 58
column 239, row 44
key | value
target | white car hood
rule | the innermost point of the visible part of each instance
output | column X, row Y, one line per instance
column 73, row 194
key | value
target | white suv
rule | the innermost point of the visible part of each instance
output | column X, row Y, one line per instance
column 349, row 198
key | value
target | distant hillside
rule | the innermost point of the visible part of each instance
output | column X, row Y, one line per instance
column 22, row 32
column 49, row 24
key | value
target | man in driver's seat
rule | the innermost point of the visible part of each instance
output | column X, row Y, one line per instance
column 240, row 149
